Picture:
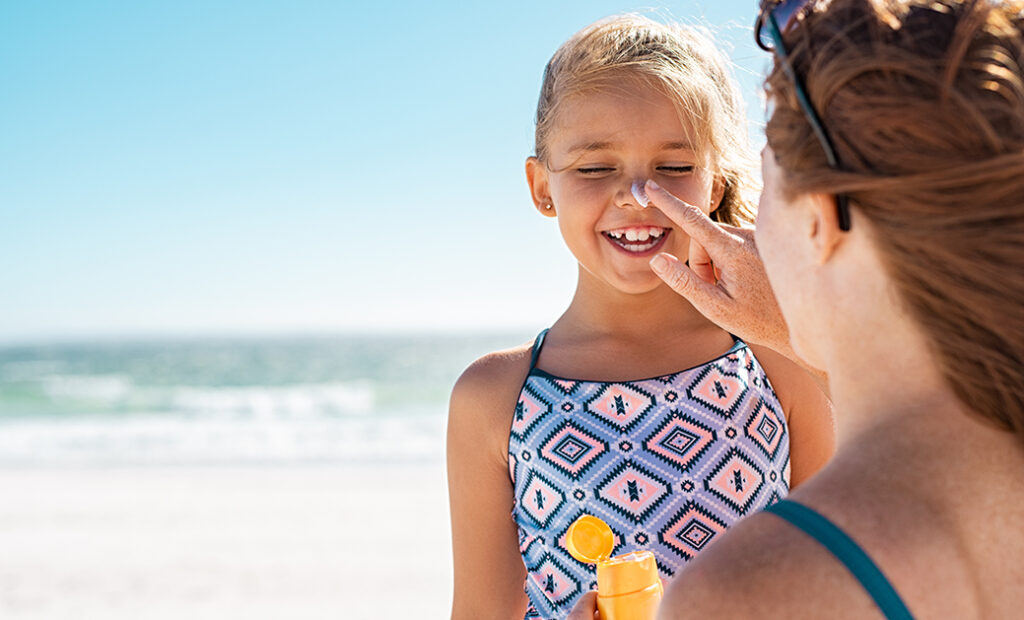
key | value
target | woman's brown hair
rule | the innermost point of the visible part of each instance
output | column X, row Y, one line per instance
column 924, row 100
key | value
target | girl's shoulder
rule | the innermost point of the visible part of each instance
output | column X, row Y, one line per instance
column 495, row 374
column 485, row 395
column 808, row 413
column 790, row 382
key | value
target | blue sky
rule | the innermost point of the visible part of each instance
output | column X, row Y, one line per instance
column 238, row 167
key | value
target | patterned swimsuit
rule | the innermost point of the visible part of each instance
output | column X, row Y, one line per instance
column 669, row 463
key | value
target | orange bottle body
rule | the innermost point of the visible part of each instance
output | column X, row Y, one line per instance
column 628, row 587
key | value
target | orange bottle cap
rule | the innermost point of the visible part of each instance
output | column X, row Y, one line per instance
column 589, row 539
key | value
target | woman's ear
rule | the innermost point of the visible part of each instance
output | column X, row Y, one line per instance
column 825, row 233
column 537, row 179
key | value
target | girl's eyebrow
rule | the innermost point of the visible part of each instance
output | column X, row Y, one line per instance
column 591, row 146
column 600, row 146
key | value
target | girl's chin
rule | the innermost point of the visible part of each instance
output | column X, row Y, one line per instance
column 637, row 285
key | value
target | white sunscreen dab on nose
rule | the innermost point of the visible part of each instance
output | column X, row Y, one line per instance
column 640, row 194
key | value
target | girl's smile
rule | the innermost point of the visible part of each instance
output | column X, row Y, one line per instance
column 639, row 241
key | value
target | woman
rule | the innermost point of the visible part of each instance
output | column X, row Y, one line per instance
column 891, row 228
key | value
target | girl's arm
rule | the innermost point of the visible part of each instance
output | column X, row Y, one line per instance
column 489, row 571
column 812, row 435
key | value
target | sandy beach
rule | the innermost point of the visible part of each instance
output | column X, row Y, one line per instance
column 197, row 542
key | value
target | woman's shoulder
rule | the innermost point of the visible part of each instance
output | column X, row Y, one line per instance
column 780, row 572
column 785, row 572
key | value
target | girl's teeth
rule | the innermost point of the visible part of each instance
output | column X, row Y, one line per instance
column 640, row 234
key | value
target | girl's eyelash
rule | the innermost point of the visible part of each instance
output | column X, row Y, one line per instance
column 603, row 169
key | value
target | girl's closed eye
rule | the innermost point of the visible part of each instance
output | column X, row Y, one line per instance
column 595, row 170
column 680, row 169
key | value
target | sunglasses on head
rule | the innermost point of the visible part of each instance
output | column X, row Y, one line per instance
column 773, row 20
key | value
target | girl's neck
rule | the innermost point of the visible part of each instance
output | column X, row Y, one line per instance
column 599, row 309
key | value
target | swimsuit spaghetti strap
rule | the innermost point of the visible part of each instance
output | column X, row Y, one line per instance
column 537, row 344
column 846, row 551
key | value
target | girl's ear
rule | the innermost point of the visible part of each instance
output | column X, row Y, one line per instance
column 717, row 193
column 537, row 179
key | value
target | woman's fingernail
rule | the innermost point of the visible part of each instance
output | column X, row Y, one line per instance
column 652, row 185
column 659, row 264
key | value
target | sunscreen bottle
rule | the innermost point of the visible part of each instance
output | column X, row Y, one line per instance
column 628, row 586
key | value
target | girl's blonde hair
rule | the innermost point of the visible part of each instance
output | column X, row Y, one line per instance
column 924, row 100
column 692, row 72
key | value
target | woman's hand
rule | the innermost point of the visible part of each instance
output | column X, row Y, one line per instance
column 725, row 279
column 585, row 608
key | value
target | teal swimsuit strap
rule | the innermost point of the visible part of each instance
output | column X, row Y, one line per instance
column 846, row 551
column 537, row 344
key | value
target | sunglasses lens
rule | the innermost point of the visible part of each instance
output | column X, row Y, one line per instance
column 785, row 13
column 764, row 36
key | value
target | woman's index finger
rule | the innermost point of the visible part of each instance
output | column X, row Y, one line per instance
column 691, row 219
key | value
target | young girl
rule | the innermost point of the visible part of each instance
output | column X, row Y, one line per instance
column 632, row 407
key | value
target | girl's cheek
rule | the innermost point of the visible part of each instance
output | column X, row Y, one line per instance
column 695, row 189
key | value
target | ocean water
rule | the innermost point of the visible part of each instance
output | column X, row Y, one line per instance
column 244, row 400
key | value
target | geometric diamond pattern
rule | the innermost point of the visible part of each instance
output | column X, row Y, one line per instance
column 669, row 463
column 736, row 480
column 553, row 579
column 718, row 390
column 530, row 409
column 633, row 491
column 541, row 499
column 572, row 450
column 565, row 386
column 765, row 429
column 680, row 440
column 691, row 530
column 620, row 405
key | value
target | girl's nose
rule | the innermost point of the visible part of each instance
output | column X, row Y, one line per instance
column 632, row 195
